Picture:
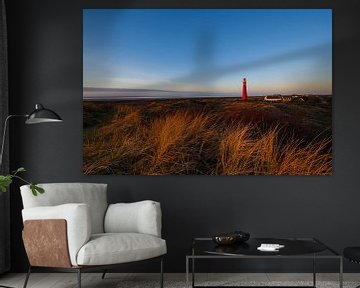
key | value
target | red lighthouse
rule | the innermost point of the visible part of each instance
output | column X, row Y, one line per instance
column 244, row 90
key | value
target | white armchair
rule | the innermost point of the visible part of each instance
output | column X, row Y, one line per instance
column 72, row 228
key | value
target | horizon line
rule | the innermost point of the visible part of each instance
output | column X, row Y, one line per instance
column 197, row 94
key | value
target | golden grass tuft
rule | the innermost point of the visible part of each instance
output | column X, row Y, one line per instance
column 244, row 152
column 175, row 139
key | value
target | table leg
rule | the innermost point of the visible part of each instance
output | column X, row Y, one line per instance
column 193, row 272
column 187, row 272
column 314, row 271
column 341, row 273
column 193, row 267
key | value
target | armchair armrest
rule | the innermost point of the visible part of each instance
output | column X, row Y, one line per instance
column 138, row 217
column 77, row 217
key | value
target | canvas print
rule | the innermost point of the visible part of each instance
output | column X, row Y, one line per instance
column 207, row 91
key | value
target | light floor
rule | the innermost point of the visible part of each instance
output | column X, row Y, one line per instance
column 117, row 280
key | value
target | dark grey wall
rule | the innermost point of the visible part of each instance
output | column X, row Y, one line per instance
column 45, row 49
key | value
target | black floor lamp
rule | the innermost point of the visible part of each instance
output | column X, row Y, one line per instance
column 39, row 115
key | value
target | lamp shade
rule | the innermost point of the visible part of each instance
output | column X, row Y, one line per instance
column 42, row 115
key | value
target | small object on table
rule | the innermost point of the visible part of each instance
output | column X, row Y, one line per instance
column 270, row 247
column 242, row 236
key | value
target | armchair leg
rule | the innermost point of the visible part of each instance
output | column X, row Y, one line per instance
column 161, row 273
column 27, row 277
column 79, row 277
column 103, row 275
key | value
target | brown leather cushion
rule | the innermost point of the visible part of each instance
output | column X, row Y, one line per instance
column 46, row 243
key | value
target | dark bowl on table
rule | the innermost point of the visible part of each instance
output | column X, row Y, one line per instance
column 231, row 238
column 225, row 239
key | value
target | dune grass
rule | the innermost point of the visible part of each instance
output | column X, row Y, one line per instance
column 168, row 138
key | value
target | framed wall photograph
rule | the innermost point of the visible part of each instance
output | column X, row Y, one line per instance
column 207, row 91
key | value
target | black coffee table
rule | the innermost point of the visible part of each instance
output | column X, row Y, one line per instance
column 295, row 248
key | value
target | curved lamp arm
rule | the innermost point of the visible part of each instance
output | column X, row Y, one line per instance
column 4, row 134
column 39, row 115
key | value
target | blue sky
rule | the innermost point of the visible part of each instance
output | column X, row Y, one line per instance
column 209, row 50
